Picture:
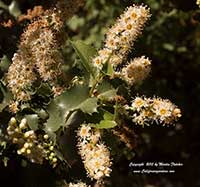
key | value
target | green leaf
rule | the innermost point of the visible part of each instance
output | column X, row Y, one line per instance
column 72, row 98
column 106, row 124
column 104, row 86
column 14, row 9
column 77, row 98
column 85, row 53
column 110, row 69
column 3, row 5
column 89, row 105
column 108, row 116
column 7, row 96
column 44, row 90
column 32, row 120
column 56, row 117
column 108, row 95
column 106, row 91
column 5, row 63
column 42, row 114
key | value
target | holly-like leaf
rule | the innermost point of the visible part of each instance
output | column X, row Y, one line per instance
column 14, row 9
column 85, row 53
column 104, row 86
column 5, row 63
column 106, row 124
column 106, row 91
column 77, row 98
column 44, row 90
column 32, row 120
column 89, row 105
column 108, row 116
column 108, row 95
column 3, row 5
column 56, row 117
column 7, row 96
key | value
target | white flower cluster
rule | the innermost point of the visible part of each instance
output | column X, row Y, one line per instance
column 95, row 155
column 39, row 51
column 121, row 36
column 29, row 145
column 156, row 109
column 137, row 70
column 47, row 58
column 80, row 184
column 21, row 75
column 38, row 54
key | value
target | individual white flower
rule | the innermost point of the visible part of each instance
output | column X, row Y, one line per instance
column 138, row 103
column 98, row 62
column 165, row 110
column 23, row 123
column 84, row 131
column 162, row 108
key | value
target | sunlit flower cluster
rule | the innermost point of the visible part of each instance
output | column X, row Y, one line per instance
column 21, row 74
column 95, row 155
column 39, row 52
column 137, row 70
column 121, row 36
column 35, row 148
column 80, row 184
column 48, row 58
column 147, row 110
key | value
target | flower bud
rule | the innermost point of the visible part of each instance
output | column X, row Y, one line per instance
column 23, row 123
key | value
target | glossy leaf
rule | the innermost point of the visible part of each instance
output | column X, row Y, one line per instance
column 106, row 124
column 108, row 95
column 32, row 120
column 108, row 116
column 7, row 96
column 14, row 9
column 77, row 98
column 85, row 53
column 5, row 63
column 106, row 91
column 89, row 105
